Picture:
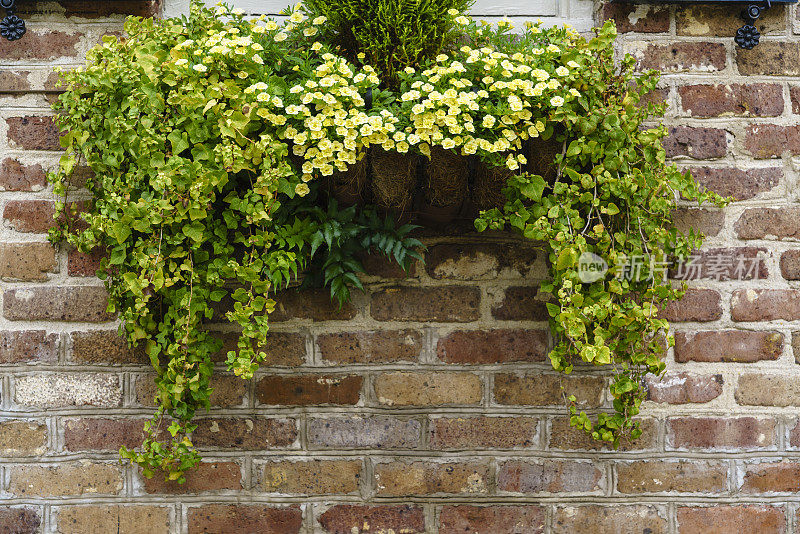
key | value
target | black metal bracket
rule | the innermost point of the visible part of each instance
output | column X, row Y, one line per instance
column 11, row 26
column 748, row 36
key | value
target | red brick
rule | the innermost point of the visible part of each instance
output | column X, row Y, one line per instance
column 538, row 389
column 20, row 520
column 82, row 303
column 549, row 476
column 682, row 57
column 358, row 519
column 364, row 432
column 239, row 518
column 14, row 176
column 105, row 347
column 438, row 304
column 724, row 519
column 722, row 264
column 84, row 264
column 683, row 388
column 771, row 477
column 491, row 519
column 774, row 58
column 628, row 519
column 741, row 184
column 248, row 433
column 309, row 304
column 382, row 267
column 697, row 305
column 380, row 346
column 480, row 432
column 228, row 391
column 667, row 476
column 790, row 264
column 766, row 141
column 207, row 476
column 27, row 346
column 521, row 303
column 102, row 434
column 639, row 18
column 728, row 346
column 757, row 99
column 40, row 44
column 33, row 133
column 493, row 346
column 765, row 305
column 395, row 479
column 303, row 390
column 696, row 142
column 565, row 437
column 27, row 262
column 703, row 221
column 720, row 433
column 759, row 223
column 283, row 349
column 29, row 216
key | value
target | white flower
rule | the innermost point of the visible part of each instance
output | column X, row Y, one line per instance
column 302, row 189
column 238, row 11
column 462, row 20
column 259, row 29
column 280, row 37
column 200, row 68
column 308, row 32
column 556, row 101
column 573, row 64
column 562, row 71
column 182, row 61
column 258, row 59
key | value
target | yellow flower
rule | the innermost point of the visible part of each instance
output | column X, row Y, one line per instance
column 316, row 46
column 280, row 37
column 302, row 189
column 259, row 29
column 297, row 17
column 462, row 20
column 452, row 12
column 557, row 101
column 258, row 59
column 271, row 25
column 319, row 20
column 562, row 71
column 308, row 32
column 200, row 68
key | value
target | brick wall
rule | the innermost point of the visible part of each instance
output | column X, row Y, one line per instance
column 428, row 404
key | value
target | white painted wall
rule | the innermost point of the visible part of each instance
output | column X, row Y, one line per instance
column 578, row 13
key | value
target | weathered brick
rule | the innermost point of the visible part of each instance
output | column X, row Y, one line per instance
column 368, row 432
column 728, row 346
column 479, row 261
column 238, row 518
column 550, row 476
column 757, row 99
column 92, row 10
column 313, row 304
column 22, row 438
column 659, row 476
column 248, row 433
column 136, row 519
column 68, row 389
column 20, row 520
column 765, row 305
column 105, row 347
column 759, row 223
column 102, row 434
column 85, row 478
column 207, row 476
column 593, row 518
column 380, row 346
column 33, row 133
column 84, row 263
column 228, row 390
column 29, row 216
column 722, row 264
column 741, row 184
column 420, row 389
column 766, row 141
column 757, row 389
column 717, row 21
column 639, row 18
column 565, row 437
column 696, row 142
column 683, row 388
column 14, row 176
column 491, row 519
column 521, row 303
column 775, row 58
column 493, row 346
column 41, row 44
column 720, row 433
column 27, row 346
column 480, row 432
column 703, row 221
column 682, row 57
column 73, row 304
column 303, row 390
column 698, row 305
column 721, row 519
column 283, row 349
column 363, row 519
column 771, row 477
column 394, row 479
column 538, row 389
column 439, row 304
column 311, row 477
column 27, row 262
column 14, row 81
column 794, row 435
column 382, row 267
column 790, row 264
